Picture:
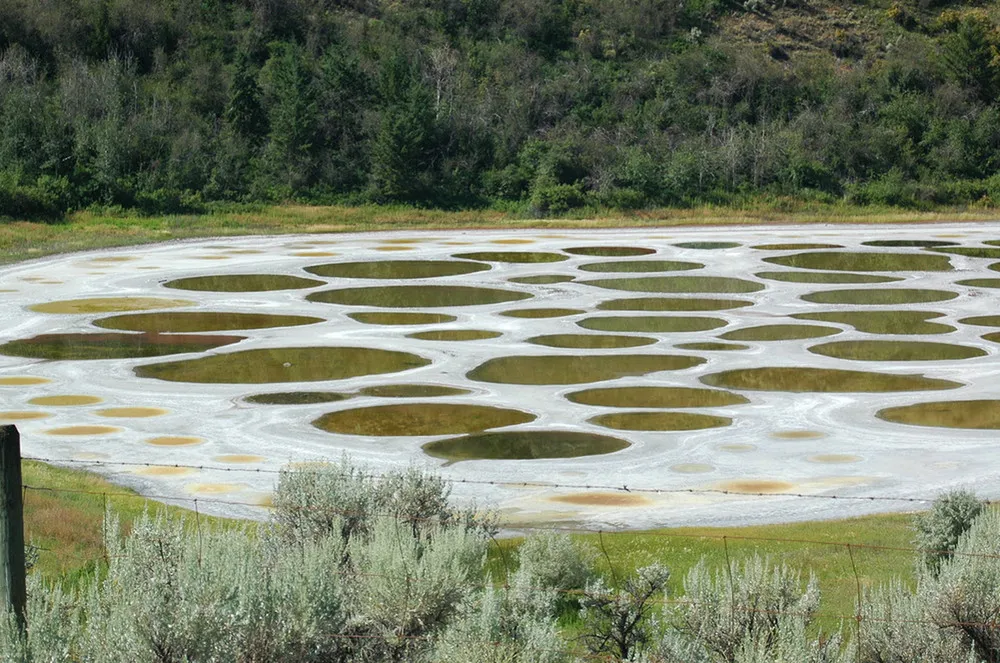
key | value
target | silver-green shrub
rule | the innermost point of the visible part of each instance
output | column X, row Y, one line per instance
column 938, row 530
column 54, row 619
column 758, row 612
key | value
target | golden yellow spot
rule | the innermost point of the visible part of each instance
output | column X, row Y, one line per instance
column 239, row 458
column 132, row 412
column 737, row 448
column 755, row 486
column 60, row 401
column 22, row 380
column 109, row 305
column 402, row 240
column 313, row 254
column 214, row 488
column 22, row 416
column 149, row 267
column 212, row 257
column 835, row 458
column 512, row 241
column 266, row 500
column 89, row 455
column 174, row 441
column 84, row 430
column 602, row 499
column 164, row 471
column 797, row 434
column 393, row 248
column 113, row 259
column 244, row 252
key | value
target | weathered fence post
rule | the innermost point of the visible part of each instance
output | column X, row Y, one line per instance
column 12, row 584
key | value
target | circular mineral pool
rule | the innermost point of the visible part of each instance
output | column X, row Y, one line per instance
column 415, row 419
column 576, row 369
column 656, row 397
column 243, row 283
column 659, row 421
column 397, row 269
column 417, row 296
column 308, row 364
column 524, row 445
column 822, row 380
column 979, row 414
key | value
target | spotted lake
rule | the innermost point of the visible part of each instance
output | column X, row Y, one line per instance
column 545, row 368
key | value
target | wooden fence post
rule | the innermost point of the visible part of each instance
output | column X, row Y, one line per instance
column 12, row 584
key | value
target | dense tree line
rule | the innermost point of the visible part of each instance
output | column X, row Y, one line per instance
column 541, row 105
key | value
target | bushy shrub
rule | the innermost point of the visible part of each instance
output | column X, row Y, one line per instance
column 617, row 620
column 938, row 530
column 759, row 612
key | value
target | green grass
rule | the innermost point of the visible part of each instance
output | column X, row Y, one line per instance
column 66, row 523
column 21, row 240
column 818, row 547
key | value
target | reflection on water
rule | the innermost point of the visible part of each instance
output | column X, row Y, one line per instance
column 576, row 369
column 420, row 419
column 307, row 364
column 524, row 445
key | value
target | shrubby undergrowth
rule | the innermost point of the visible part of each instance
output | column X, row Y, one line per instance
column 358, row 568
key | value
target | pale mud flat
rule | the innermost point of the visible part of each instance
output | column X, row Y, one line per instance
column 779, row 442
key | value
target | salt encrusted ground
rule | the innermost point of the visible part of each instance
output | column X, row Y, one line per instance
column 891, row 459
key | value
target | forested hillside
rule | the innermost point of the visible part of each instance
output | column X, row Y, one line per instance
column 533, row 105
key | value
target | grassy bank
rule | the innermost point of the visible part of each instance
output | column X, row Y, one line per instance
column 21, row 240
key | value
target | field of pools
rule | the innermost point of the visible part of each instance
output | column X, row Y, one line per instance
column 816, row 360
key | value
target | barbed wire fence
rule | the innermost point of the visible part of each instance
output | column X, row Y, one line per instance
column 852, row 549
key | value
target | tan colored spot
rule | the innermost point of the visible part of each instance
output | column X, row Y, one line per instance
column 174, row 441
column 458, row 243
column 512, row 241
column 244, row 252
column 132, row 412
column 692, row 468
column 113, row 259
column 212, row 257
column 393, row 247
column 402, row 240
column 737, row 448
column 164, row 471
column 90, row 455
column 265, row 500
column 22, row 416
column 797, row 434
column 7, row 290
column 239, row 458
column 602, row 499
column 834, row 458
column 84, row 430
column 214, row 488
column 755, row 486
column 149, row 267
column 109, row 305
column 313, row 254
column 22, row 380
column 67, row 400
